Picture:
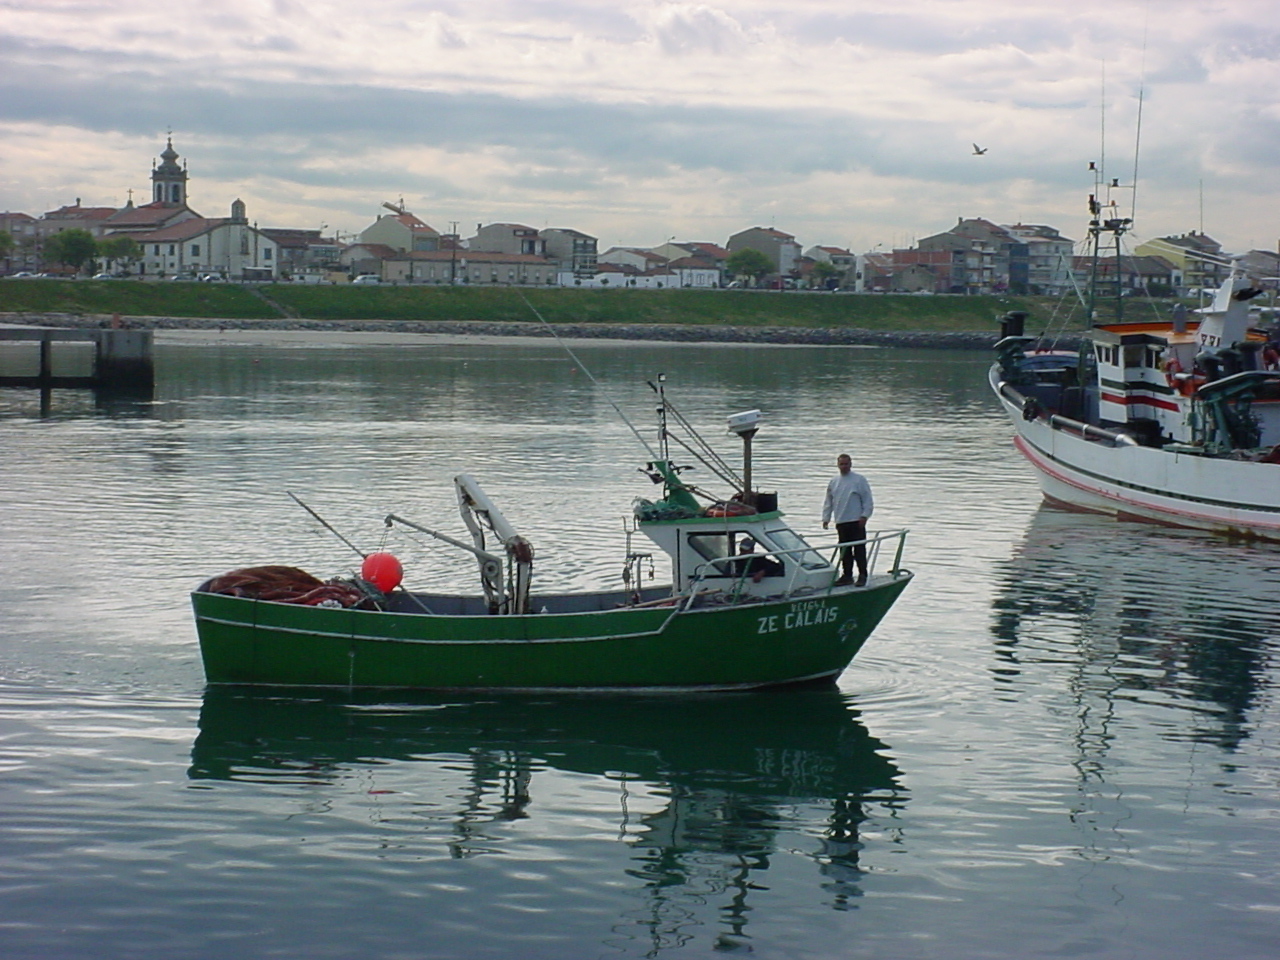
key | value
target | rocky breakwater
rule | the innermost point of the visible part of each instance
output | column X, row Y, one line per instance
column 669, row 332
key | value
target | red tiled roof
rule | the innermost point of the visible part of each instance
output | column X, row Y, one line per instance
column 77, row 212
column 183, row 230
column 708, row 249
column 413, row 223
column 150, row 213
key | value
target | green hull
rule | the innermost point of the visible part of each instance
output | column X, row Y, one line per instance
column 757, row 644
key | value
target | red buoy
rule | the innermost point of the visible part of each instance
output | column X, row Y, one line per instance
column 382, row 570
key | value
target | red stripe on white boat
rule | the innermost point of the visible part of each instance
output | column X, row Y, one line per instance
column 1044, row 466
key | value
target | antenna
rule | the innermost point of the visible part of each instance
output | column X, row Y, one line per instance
column 1137, row 135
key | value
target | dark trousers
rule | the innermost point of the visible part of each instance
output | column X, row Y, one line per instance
column 853, row 530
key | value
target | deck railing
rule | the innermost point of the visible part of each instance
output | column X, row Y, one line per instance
column 874, row 544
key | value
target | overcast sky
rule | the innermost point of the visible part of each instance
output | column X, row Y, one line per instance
column 844, row 122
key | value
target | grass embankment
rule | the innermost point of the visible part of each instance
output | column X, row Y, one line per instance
column 133, row 299
column 736, row 308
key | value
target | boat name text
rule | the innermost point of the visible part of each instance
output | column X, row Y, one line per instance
column 806, row 614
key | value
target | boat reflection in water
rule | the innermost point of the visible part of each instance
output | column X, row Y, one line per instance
column 716, row 779
column 1142, row 615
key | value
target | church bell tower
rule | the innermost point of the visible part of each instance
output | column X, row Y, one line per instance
column 168, row 180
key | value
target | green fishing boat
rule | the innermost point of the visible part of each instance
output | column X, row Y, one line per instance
column 750, row 604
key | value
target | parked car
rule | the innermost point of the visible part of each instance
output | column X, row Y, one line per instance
column 366, row 280
column 104, row 276
column 22, row 275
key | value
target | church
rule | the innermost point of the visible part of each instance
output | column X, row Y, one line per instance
column 174, row 240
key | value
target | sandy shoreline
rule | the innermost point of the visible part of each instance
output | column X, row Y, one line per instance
column 385, row 332
column 365, row 338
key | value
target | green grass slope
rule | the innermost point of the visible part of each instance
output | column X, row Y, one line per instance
column 739, row 308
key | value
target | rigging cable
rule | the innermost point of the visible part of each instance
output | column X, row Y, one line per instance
column 583, row 367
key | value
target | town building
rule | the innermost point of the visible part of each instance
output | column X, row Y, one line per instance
column 1198, row 256
column 781, row 248
column 1264, row 267
column 514, row 238
column 401, row 231
column 304, row 254
column 844, row 262
column 1131, row 276
column 638, row 258
column 970, row 262
column 24, row 255
column 574, row 253
column 1048, row 258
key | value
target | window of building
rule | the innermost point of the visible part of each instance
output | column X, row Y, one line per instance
column 156, row 251
column 266, row 253
column 195, row 249
column 172, row 249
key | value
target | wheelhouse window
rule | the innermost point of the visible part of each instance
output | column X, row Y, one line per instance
column 721, row 546
column 716, row 546
column 808, row 557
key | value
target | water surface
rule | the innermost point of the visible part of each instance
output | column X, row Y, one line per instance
column 1061, row 742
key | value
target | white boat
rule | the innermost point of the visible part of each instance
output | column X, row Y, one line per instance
column 1172, row 422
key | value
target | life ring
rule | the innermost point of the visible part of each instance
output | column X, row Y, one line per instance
column 1188, row 384
column 1171, row 370
column 729, row 508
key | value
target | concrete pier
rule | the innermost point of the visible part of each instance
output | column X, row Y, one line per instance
column 122, row 359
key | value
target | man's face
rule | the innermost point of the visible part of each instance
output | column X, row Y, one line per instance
column 844, row 464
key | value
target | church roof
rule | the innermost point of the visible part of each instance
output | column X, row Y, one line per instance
column 183, row 230
column 147, row 215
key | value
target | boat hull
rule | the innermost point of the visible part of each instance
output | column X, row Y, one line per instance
column 245, row 641
column 1237, row 498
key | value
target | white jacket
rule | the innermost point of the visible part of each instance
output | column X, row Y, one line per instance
column 848, row 498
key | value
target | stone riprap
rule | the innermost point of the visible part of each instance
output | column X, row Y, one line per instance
column 671, row 332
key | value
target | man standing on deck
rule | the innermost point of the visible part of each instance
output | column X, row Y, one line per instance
column 848, row 502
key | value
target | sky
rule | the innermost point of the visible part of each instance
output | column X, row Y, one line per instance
column 848, row 123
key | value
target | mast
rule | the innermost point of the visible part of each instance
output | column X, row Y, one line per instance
column 1105, row 238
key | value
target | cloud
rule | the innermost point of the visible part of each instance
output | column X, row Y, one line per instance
column 629, row 120
column 695, row 28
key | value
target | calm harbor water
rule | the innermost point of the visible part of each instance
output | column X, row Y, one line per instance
column 1061, row 743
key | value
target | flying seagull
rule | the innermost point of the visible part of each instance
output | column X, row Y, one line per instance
column 978, row 151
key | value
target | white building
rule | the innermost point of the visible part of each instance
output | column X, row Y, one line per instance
column 227, row 247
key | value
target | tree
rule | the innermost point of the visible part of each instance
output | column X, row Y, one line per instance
column 823, row 271
column 119, row 250
column 750, row 263
column 7, row 243
column 72, row 247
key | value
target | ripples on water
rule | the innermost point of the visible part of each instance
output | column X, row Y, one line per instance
column 1062, row 740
